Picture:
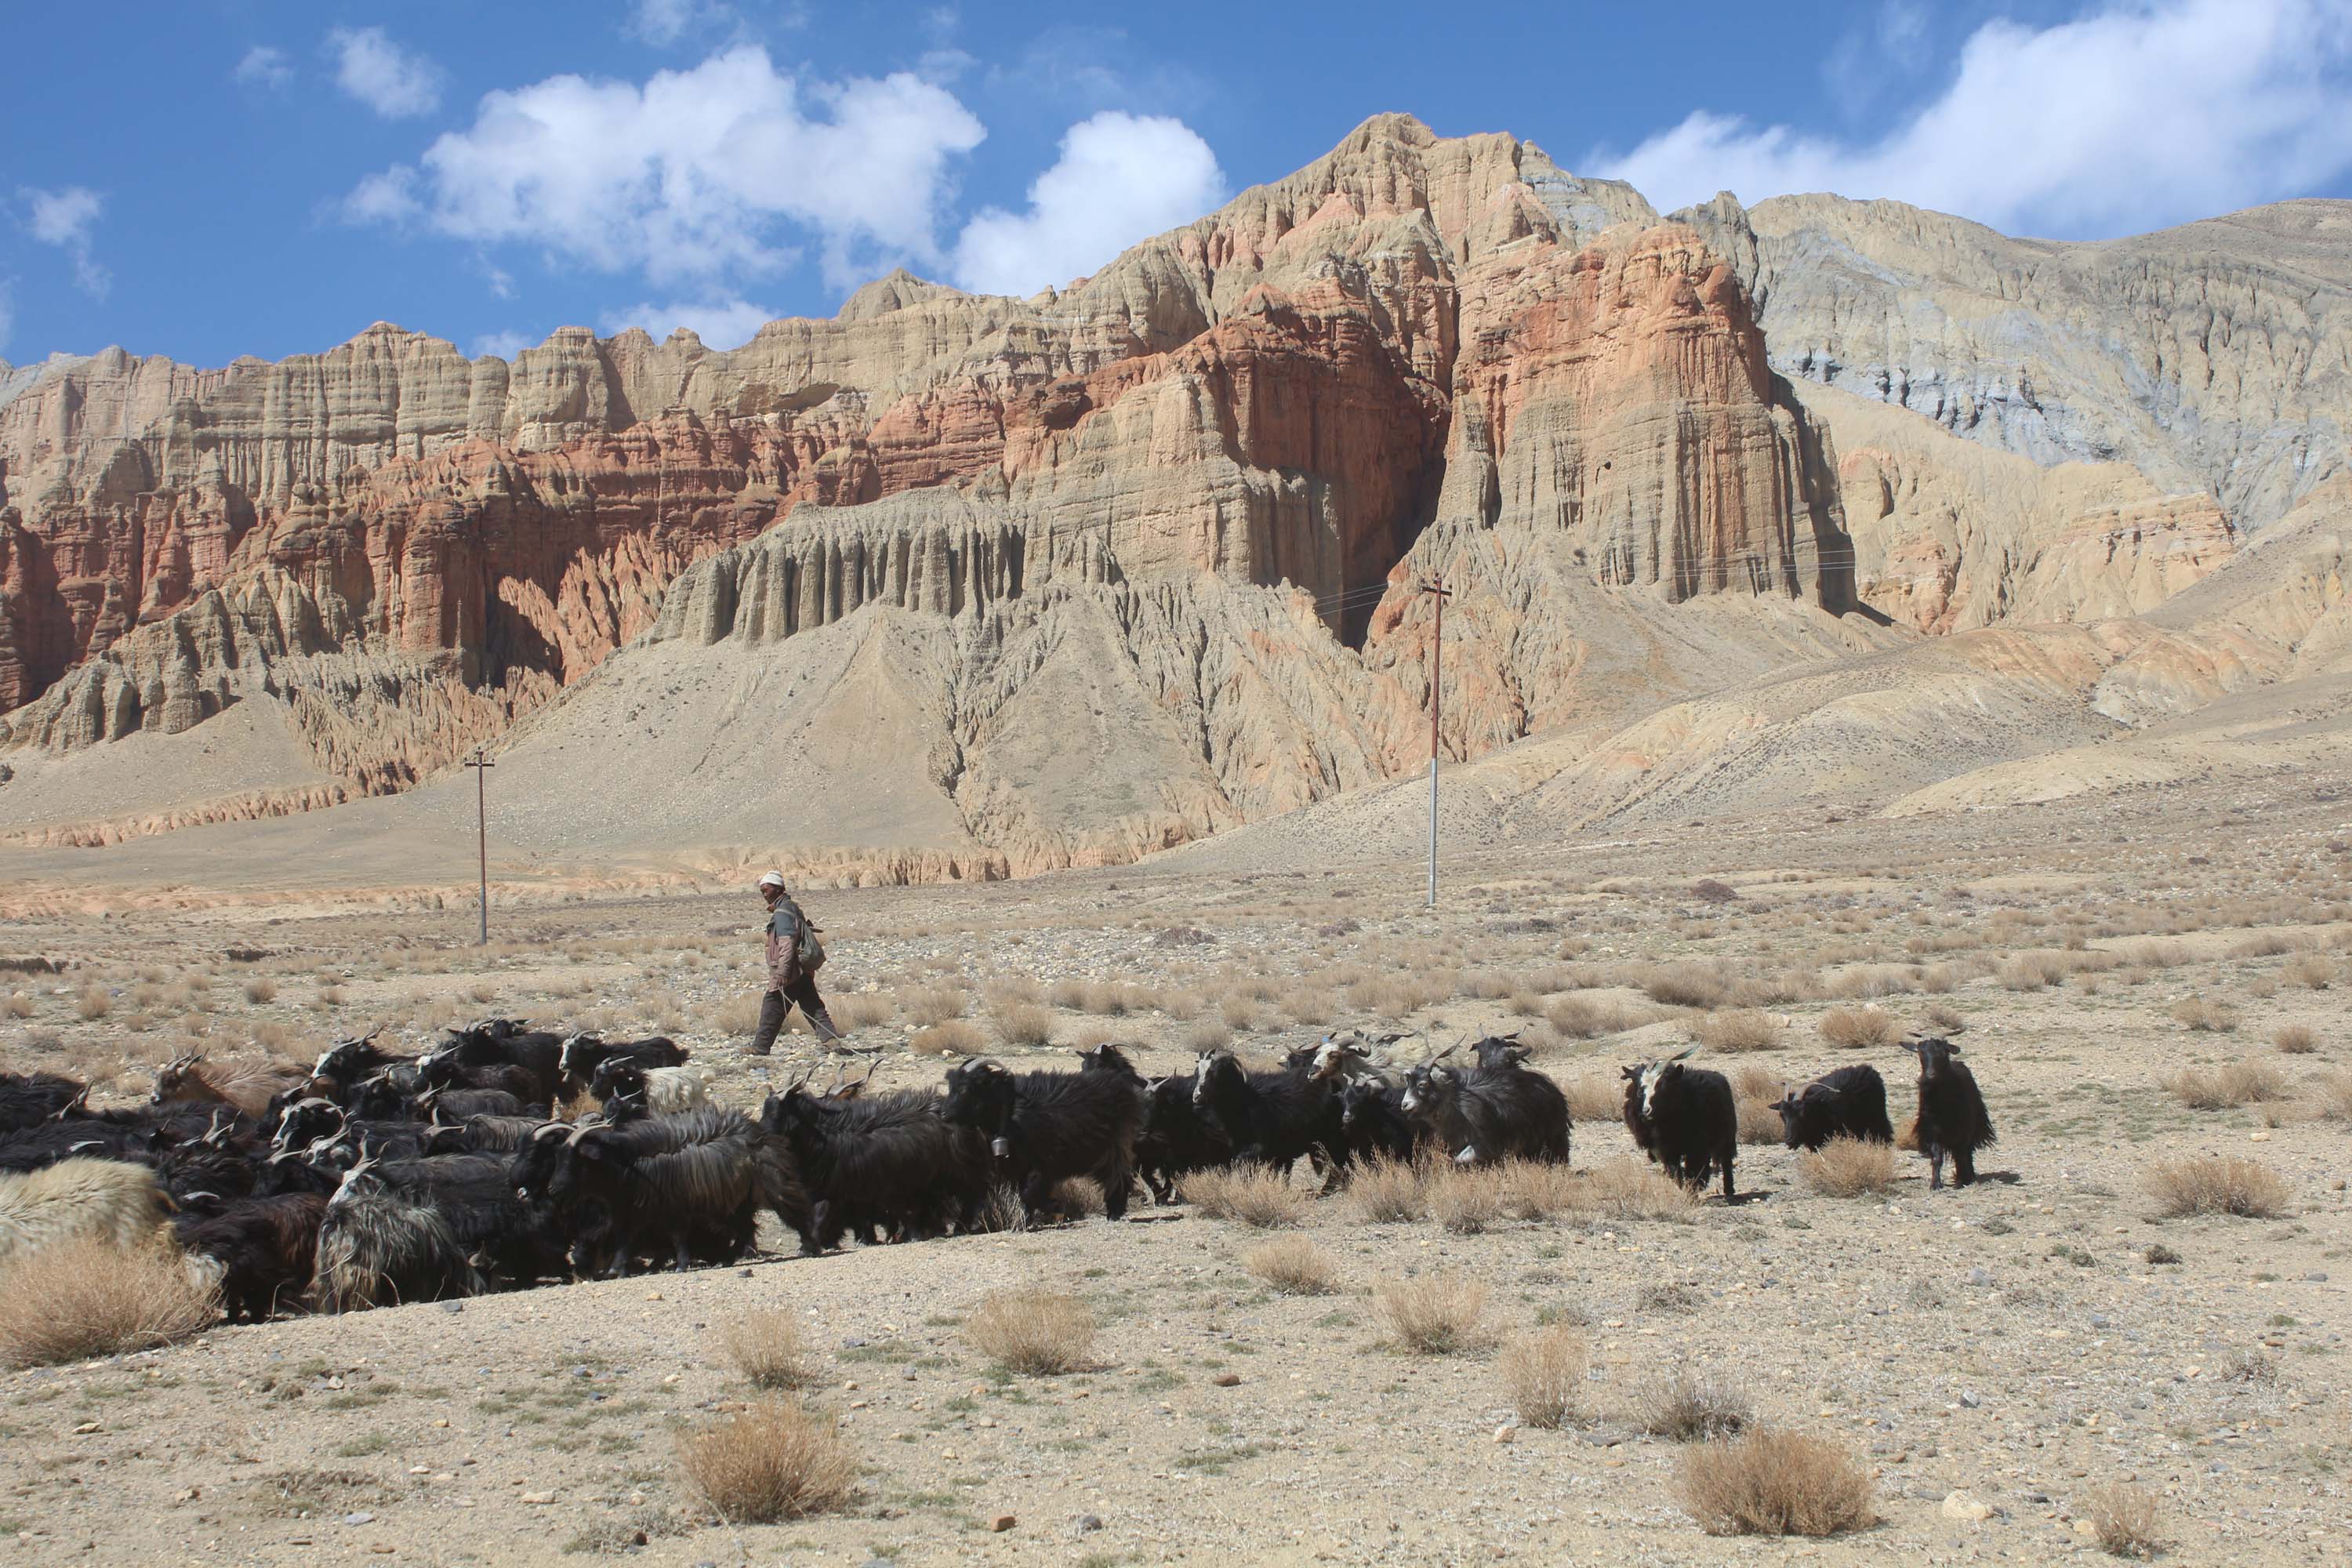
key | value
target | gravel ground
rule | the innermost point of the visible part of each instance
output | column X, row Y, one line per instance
column 2000, row 1350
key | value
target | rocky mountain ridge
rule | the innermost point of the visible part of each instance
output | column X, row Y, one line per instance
column 1650, row 456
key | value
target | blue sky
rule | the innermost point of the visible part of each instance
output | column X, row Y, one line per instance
column 208, row 178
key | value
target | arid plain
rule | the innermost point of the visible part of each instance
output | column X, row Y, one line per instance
column 1993, row 1360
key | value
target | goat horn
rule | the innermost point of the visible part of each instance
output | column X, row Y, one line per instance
column 1685, row 1053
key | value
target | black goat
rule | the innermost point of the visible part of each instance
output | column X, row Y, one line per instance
column 1043, row 1128
column 483, row 1134
column 1685, row 1119
column 1849, row 1103
column 1372, row 1119
column 1176, row 1139
column 378, row 1248
column 1272, row 1119
column 1487, row 1114
column 690, row 1187
column 460, row 1104
column 265, row 1249
column 504, row 1043
column 882, row 1163
column 27, row 1100
column 446, row 1069
column 1952, row 1116
column 578, row 1058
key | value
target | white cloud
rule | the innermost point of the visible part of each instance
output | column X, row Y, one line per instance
column 662, row 23
column 264, row 67
column 504, row 345
column 2133, row 115
column 1120, row 178
column 64, row 218
column 727, row 323
column 396, row 82
column 688, row 176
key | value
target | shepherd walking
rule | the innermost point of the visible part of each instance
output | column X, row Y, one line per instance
column 794, row 955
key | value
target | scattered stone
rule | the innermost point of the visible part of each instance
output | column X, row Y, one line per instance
column 1226, row 1379
column 1971, row 1398
column 453, row 1306
column 1001, row 1523
column 1967, row 1506
column 537, row 1500
column 1086, row 1525
column 357, row 1519
column 1506, row 1434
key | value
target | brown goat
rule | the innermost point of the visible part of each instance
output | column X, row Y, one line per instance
column 189, row 1079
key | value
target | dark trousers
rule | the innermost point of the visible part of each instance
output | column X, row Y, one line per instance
column 776, row 1003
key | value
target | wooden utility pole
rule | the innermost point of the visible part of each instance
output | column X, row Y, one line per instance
column 1436, row 697
column 481, row 764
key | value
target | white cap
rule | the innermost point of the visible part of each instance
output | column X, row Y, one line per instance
column 773, row 879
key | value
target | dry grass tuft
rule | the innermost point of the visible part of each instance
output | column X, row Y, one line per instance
column 1466, row 1199
column 861, row 1009
column 16, row 1005
column 2218, row 1184
column 1251, row 1194
column 2296, row 1039
column 1436, row 1314
column 1023, row 1024
column 2203, row 1016
column 1745, row 1029
column 93, row 1004
column 1848, row 1168
column 1385, row 1191
column 1043, row 1333
column 953, row 1039
column 769, row 1349
column 1293, row 1265
column 1758, row 1122
column 1690, row 1408
column 2124, row 1520
column 775, row 1461
column 1686, row 985
column 1543, row 1373
column 1853, row 1028
column 933, row 1004
column 78, row 1300
column 2310, row 970
column 2227, row 1087
column 2334, row 1092
column 1588, row 1017
column 260, row 989
column 1770, row 1483
column 1623, row 1189
column 1594, row 1099
column 1535, row 1189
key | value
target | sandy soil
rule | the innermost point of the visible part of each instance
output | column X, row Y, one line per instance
column 2013, row 1342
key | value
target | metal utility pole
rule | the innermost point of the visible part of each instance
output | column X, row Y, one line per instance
column 1436, row 697
column 481, row 764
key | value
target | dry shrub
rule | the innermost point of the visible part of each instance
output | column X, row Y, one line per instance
column 2218, row 1184
column 1853, row 1028
column 1685, row 985
column 2204, row 1016
column 2123, row 1518
column 1068, row 994
column 1436, row 1314
column 16, row 1005
column 93, row 1004
column 1864, row 981
column 1848, row 1168
column 1208, row 1035
column 77, row 1300
column 1753, row 1081
column 2227, row 1087
column 1110, row 999
column 2033, row 971
column 1252, row 1195
column 2155, row 953
column 739, row 1014
column 1760, row 1124
column 930, row 1005
column 1309, row 1006
column 2334, row 1092
column 1465, row 1199
column 1543, row 1372
column 2264, row 944
column 953, row 1039
column 1589, row 1017
column 1077, row 1198
column 1946, row 1019
column 1534, row 1189
column 1623, row 1189
column 1041, row 1332
column 1023, row 1024
column 774, row 1461
column 260, row 989
column 2310, row 970
column 1238, row 1012
column 2296, row 1039
column 1292, row 1265
column 861, row 1009
column 1772, row 1482
column 1385, row 1191
column 768, row 1349
column 1690, row 1408
column 1743, row 1030
column 1594, row 1099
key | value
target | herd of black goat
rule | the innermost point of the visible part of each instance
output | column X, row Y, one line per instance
column 375, row 1178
